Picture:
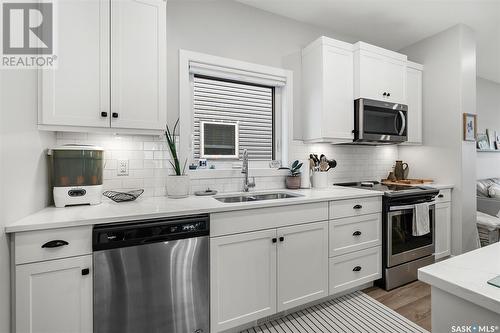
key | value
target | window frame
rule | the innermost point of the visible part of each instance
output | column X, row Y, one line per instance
column 225, row 68
column 276, row 132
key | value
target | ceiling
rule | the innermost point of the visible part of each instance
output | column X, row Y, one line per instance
column 398, row 23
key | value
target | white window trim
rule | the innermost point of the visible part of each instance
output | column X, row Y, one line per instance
column 242, row 71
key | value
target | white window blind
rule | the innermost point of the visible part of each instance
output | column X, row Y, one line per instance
column 250, row 105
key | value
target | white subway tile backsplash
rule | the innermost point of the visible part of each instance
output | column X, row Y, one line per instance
column 149, row 165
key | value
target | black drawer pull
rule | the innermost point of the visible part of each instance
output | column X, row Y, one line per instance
column 357, row 233
column 356, row 269
column 114, row 114
column 282, row 238
column 441, row 196
column 85, row 271
column 104, row 114
column 54, row 243
column 357, row 207
column 274, row 240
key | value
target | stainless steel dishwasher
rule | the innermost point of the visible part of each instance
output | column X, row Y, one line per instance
column 152, row 276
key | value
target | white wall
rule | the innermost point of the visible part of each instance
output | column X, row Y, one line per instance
column 23, row 167
column 448, row 92
column 488, row 115
column 233, row 30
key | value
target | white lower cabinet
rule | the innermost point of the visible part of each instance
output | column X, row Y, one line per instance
column 302, row 264
column 354, row 269
column 242, row 278
column 256, row 274
column 54, row 296
column 443, row 230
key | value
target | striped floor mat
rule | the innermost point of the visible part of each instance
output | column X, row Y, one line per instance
column 352, row 313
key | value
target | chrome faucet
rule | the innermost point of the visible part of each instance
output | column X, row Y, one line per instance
column 244, row 169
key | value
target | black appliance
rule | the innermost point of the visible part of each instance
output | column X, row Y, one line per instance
column 378, row 122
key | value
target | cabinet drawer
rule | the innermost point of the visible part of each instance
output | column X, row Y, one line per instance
column 444, row 196
column 355, row 233
column 228, row 223
column 28, row 245
column 355, row 207
column 355, row 269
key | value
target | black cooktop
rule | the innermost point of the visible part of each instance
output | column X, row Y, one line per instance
column 391, row 190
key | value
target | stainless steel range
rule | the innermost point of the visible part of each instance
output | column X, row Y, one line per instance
column 403, row 252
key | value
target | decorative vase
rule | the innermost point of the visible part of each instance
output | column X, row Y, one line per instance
column 178, row 186
column 293, row 182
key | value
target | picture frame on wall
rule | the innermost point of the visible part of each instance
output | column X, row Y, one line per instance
column 470, row 127
column 482, row 141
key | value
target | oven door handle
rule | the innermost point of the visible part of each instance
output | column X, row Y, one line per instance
column 393, row 208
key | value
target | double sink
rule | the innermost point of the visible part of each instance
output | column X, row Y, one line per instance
column 250, row 197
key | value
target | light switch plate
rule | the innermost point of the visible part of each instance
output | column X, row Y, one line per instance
column 122, row 168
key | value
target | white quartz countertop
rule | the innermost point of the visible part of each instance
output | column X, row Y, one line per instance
column 466, row 276
column 144, row 208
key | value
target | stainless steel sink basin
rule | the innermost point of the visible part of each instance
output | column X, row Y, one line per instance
column 249, row 197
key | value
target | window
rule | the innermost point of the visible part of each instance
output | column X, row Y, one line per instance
column 230, row 116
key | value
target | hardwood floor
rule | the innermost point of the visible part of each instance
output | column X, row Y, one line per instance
column 412, row 301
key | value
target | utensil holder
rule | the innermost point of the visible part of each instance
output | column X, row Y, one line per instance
column 320, row 180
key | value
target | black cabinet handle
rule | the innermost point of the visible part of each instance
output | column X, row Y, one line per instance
column 388, row 94
column 357, row 233
column 54, row 243
column 384, row 94
column 356, row 269
column 85, row 271
column 282, row 238
column 274, row 240
column 440, row 196
column 114, row 114
column 357, row 207
column 104, row 114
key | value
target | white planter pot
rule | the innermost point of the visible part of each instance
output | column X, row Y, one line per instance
column 178, row 186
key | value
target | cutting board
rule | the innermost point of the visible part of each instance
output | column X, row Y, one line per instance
column 408, row 182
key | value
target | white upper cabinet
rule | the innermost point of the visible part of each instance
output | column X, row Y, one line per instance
column 111, row 67
column 328, row 108
column 414, row 101
column 77, row 92
column 379, row 74
column 138, row 64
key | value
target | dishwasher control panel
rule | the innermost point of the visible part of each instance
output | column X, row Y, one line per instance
column 142, row 232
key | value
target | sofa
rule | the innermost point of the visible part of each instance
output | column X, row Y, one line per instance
column 488, row 209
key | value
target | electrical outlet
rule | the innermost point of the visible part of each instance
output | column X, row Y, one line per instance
column 122, row 168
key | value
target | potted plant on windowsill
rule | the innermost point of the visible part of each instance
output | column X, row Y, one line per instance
column 292, row 181
column 178, row 184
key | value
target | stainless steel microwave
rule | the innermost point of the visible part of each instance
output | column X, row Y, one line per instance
column 379, row 122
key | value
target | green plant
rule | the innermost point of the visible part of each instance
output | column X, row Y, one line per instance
column 170, row 135
column 295, row 168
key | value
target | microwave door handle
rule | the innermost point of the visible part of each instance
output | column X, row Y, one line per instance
column 403, row 121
